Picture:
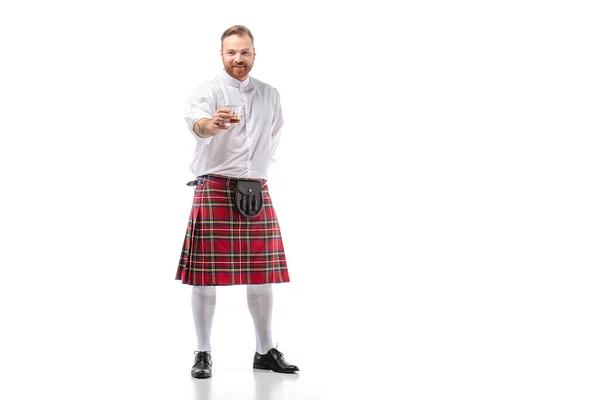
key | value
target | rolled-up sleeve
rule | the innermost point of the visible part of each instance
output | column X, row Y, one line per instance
column 200, row 105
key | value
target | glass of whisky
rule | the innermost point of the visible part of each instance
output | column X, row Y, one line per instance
column 236, row 113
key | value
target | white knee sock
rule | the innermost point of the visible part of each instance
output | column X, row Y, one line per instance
column 260, row 304
column 204, row 299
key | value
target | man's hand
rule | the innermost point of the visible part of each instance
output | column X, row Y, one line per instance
column 206, row 127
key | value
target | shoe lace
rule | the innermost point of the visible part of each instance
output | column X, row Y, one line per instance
column 200, row 357
column 278, row 353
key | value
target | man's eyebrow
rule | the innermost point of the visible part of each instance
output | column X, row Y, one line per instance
column 240, row 50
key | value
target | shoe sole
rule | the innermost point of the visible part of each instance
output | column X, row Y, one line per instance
column 201, row 377
column 274, row 370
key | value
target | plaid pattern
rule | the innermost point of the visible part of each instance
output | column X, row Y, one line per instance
column 222, row 247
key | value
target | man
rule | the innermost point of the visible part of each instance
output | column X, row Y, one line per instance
column 233, row 235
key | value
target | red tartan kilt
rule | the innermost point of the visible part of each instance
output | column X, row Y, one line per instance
column 222, row 247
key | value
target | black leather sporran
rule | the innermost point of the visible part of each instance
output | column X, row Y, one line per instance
column 248, row 198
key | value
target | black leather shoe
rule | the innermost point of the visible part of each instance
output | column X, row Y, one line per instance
column 273, row 361
column 203, row 366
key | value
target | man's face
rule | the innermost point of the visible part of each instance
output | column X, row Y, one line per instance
column 238, row 55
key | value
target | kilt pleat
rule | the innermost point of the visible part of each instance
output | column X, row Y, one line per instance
column 222, row 247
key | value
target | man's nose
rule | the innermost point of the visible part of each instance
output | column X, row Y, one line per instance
column 237, row 57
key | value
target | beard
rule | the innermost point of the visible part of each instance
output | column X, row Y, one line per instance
column 238, row 73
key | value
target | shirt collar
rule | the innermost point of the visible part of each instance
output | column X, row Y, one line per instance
column 230, row 80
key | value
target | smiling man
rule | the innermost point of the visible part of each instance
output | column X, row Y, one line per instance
column 238, row 55
column 233, row 235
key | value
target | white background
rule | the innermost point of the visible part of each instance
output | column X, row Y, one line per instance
column 449, row 249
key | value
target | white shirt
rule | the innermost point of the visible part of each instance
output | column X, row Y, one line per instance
column 245, row 150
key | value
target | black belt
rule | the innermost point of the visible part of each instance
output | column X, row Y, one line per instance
column 248, row 198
